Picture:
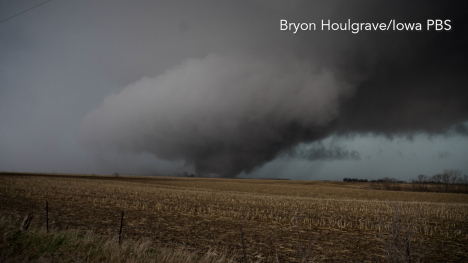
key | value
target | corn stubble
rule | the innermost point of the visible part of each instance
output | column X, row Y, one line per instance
column 271, row 221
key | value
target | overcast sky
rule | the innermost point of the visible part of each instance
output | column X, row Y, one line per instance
column 218, row 89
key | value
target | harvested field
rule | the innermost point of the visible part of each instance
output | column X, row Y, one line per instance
column 334, row 221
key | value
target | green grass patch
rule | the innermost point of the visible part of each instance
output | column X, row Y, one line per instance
column 36, row 245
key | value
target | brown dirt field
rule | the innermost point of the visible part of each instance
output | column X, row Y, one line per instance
column 339, row 220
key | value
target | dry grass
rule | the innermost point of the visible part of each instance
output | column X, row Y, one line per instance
column 340, row 220
column 36, row 245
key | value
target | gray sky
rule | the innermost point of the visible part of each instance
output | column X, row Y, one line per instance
column 216, row 88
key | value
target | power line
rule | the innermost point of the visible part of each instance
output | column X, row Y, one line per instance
column 24, row 11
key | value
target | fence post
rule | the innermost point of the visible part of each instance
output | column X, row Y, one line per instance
column 47, row 216
column 120, row 232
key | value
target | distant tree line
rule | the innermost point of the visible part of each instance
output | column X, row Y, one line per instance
column 355, row 180
column 450, row 181
column 385, row 183
column 383, row 180
column 388, row 183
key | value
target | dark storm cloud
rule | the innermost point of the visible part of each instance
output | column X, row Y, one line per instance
column 419, row 84
column 318, row 151
column 217, row 84
column 245, row 102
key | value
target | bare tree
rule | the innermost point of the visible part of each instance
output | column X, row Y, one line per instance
column 449, row 178
column 464, row 183
column 420, row 183
column 436, row 179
